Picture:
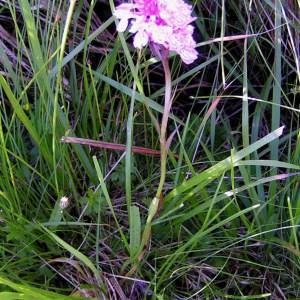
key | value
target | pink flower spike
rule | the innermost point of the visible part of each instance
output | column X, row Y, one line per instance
column 162, row 22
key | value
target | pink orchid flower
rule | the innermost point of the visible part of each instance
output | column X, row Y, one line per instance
column 162, row 22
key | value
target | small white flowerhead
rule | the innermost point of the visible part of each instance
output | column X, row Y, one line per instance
column 64, row 202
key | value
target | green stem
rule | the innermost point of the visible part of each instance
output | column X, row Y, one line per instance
column 164, row 123
column 157, row 200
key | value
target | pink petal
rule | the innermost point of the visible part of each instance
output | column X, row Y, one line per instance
column 123, row 23
column 188, row 55
column 141, row 39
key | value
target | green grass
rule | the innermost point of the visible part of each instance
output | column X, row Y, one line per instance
column 229, row 226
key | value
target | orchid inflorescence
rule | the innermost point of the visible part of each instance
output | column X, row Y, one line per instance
column 161, row 22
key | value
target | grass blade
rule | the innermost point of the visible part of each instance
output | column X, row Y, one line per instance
column 201, row 180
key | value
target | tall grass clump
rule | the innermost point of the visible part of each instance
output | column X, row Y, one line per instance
column 81, row 156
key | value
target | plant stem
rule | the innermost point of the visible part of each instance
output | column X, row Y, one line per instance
column 164, row 123
column 157, row 200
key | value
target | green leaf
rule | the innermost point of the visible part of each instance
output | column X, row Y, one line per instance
column 135, row 230
column 204, row 178
column 83, row 258
column 56, row 213
column 27, row 292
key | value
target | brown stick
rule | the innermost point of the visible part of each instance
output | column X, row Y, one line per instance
column 107, row 145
